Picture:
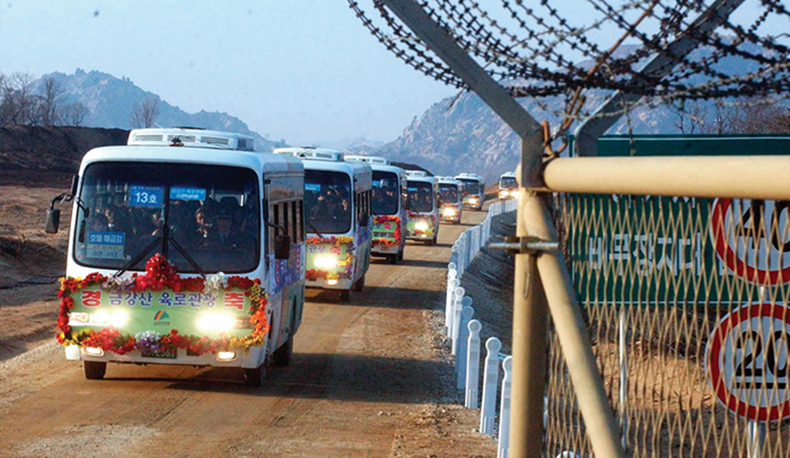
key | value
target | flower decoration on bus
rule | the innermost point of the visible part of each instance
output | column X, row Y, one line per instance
column 161, row 283
column 386, row 230
column 329, row 258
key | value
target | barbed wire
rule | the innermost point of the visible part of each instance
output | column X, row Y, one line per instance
column 539, row 50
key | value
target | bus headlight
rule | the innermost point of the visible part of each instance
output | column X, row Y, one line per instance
column 100, row 317
column 449, row 211
column 94, row 351
column 216, row 322
column 421, row 226
column 325, row 261
column 226, row 356
column 118, row 319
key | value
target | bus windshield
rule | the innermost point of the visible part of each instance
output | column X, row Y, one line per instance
column 448, row 193
column 386, row 193
column 420, row 196
column 471, row 186
column 508, row 183
column 327, row 201
column 208, row 213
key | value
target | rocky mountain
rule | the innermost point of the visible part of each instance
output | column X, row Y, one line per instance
column 110, row 101
column 461, row 134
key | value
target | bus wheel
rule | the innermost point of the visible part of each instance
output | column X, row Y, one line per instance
column 255, row 377
column 400, row 254
column 345, row 295
column 431, row 242
column 282, row 356
column 392, row 258
column 94, row 370
column 359, row 284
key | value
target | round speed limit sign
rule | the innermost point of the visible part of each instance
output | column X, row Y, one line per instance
column 747, row 361
column 752, row 238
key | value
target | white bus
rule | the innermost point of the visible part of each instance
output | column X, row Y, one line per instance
column 451, row 198
column 508, row 187
column 337, row 219
column 388, row 206
column 185, row 248
column 423, row 207
column 474, row 190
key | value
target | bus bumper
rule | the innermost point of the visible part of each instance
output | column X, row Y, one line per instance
column 235, row 357
column 323, row 283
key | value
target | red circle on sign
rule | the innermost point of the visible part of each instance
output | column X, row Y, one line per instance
column 730, row 257
column 715, row 343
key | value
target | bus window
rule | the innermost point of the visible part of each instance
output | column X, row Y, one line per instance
column 508, row 183
column 385, row 193
column 420, row 196
column 448, row 193
column 136, row 207
column 328, row 201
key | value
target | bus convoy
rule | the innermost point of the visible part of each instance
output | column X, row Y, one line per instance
column 187, row 247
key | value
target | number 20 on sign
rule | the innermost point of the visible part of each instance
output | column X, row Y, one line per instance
column 747, row 361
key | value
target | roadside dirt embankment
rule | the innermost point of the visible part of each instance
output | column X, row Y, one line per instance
column 49, row 156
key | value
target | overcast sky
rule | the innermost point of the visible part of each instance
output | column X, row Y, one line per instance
column 302, row 70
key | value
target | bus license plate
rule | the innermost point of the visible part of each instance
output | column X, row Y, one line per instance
column 166, row 354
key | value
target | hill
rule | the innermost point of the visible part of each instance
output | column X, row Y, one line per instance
column 111, row 100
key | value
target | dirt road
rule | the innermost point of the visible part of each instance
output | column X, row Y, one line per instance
column 368, row 378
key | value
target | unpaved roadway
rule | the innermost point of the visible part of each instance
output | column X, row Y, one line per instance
column 368, row 378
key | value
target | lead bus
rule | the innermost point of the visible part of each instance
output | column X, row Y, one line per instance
column 185, row 248
column 388, row 206
column 337, row 219
column 474, row 190
column 423, row 206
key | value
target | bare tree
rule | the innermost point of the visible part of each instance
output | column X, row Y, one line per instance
column 144, row 114
column 690, row 116
column 19, row 103
column 50, row 102
column 74, row 114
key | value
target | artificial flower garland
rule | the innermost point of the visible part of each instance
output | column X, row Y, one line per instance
column 160, row 274
column 396, row 235
column 315, row 274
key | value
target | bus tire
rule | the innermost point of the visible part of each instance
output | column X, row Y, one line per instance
column 400, row 254
column 345, row 295
column 359, row 284
column 94, row 370
column 255, row 377
column 392, row 258
column 282, row 356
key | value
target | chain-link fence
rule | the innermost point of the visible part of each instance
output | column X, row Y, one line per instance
column 686, row 303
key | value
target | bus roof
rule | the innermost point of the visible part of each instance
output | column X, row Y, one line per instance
column 508, row 175
column 263, row 162
column 469, row 176
column 190, row 138
column 449, row 180
column 369, row 159
column 330, row 160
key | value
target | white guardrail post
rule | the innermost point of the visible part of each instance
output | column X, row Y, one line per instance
column 449, row 302
column 463, row 341
column 504, row 410
column 472, row 364
column 458, row 295
column 490, row 385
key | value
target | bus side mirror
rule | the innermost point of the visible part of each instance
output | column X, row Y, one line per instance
column 53, row 221
column 282, row 247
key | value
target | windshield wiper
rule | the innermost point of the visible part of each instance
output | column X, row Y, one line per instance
column 313, row 228
column 139, row 257
column 148, row 248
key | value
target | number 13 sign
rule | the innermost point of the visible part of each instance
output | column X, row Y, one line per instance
column 747, row 361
